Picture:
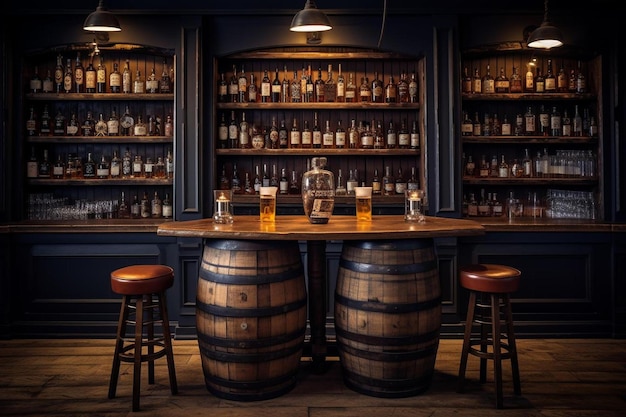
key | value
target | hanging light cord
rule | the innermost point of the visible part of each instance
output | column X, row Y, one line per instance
column 382, row 26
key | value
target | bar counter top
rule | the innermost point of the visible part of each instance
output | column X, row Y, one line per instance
column 346, row 227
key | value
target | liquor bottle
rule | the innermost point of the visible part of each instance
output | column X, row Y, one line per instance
column 403, row 95
column 139, row 86
column 148, row 168
column 404, row 137
column 159, row 168
column 317, row 133
column 123, row 210
column 235, row 181
column 257, row 182
column 152, row 83
column 59, row 124
column 354, row 136
column 483, row 167
column 477, row 128
column 113, row 124
column 274, row 134
column 247, row 185
column 330, row 87
column 561, row 80
column 222, row 89
column 544, row 121
column 328, row 138
column 352, row 182
column 294, row 183
column 530, row 122
column 392, row 137
column 127, row 164
column 413, row 88
column 89, row 168
column 115, row 79
column 58, row 74
column 135, row 208
column 233, row 131
column 68, row 77
column 529, row 80
column 391, row 91
column 127, row 122
column 487, row 125
column 137, row 167
column 341, row 188
column 341, row 87
column 577, row 124
column 242, row 86
column 368, row 138
column 515, row 85
column 477, row 83
column 101, row 77
column 127, row 78
column 484, row 210
column 503, row 168
column 502, row 83
column 497, row 210
column 101, row 128
column 527, row 164
column 400, row 185
column 488, row 83
column 493, row 166
column 307, row 136
column 283, row 183
column 593, row 127
column 103, row 169
column 303, row 85
column 505, row 128
column 470, row 167
column 274, row 180
column 31, row 123
column 224, row 180
column 233, row 86
column 165, row 83
column 168, row 208
column 571, row 83
column 340, row 136
column 295, row 90
column 276, row 88
column 365, row 92
column 295, row 136
column 283, row 135
column 253, row 90
column 115, row 168
column 320, row 87
column 389, row 183
column 566, row 128
column 45, row 122
column 466, row 82
column 472, row 206
column 413, row 183
column 47, row 85
column 222, row 133
column 32, row 165
column 378, row 89
column 266, row 88
column 146, row 211
column 79, row 75
column 90, row 77
column 550, row 79
column 265, row 181
column 140, row 128
column 169, row 165
column 581, row 83
column 351, row 95
column 555, row 123
column 376, row 184
column 310, row 87
column 516, row 169
column 285, row 87
column 45, row 168
column 244, row 132
column 58, row 169
column 318, row 192
column 540, row 82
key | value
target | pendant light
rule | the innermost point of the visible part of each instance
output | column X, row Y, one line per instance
column 545, row 36
column 102, row 20
column 310, row 19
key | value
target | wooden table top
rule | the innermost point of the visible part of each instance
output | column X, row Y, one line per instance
column 297, row 227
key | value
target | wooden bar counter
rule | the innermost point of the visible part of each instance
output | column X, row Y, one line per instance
column 297, row 228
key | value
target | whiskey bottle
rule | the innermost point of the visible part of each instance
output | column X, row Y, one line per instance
column 31, row 123
column 123, row 210
column 352, row 182
column 135, row 208
column 581, row 83
column 265, row 181
column 115, row 170
column 274, row 180
column 233, row 86
column 368, row 137
column 477, row 129
column 341, row 188
column 169, row 165
column 529, row 80
column 276, row 87
column 127, row 78
column 555, row 123
column 101, row 128
column 103, row 169
column 483, row 168
column 544, row 121
column 266, row 88
column 340, row 136
column 341, row 87
column 320, row 87
column 113, row 124
column 45, row 123
column 59, row 72
column 303, row 84
column 140, row 128
column 47, row 85
column 148, row 168
column 391, row 91
column 354, row 136
column 127, row 122
column 273, row 134
column 58, row 169
column 515, row 85
column 222, row 89
column 233, row 131
column 159, row 168
column 257, row 182
column 497, row 209
column 484, row 210
column 566, row 128
column 165, row 83
column 549, row 79
column 503, row 168
column 376, row 184
column 561, row 80
column 488, row 83
column 68, row 77
column 45, row 169
column 294, row 183
column 295, row 89
column 115, row 79
column 400, row 185
column 127, row 164
column 404, row 138
column 89, row 168
column 477, row 83
column 351, row 95
column 146, row 209
column 365, row 92
column 527, row 164
column 466, row 82
column 152, row 83
column 392, row 137
column 295, row 136
column 414, row 136
column 139, row 86
column 59, row 124
column 137, row 167
column 283, row 135
column 79, row 75
column 540, row 82
column 101, row 77
column 413, row 89
column 330, row 87
column 244, row 132
column 413, row 183
column 283, row 182
column 310, row 87
column 577, row 124
column 328, row 138
column 168, row 208
column 487, row 125
column 389, row 183
column 502, row 83
column 317, row 133
column 378, row 89
column 470, row 167
column 90, row 77
column 472, row 206
column 307, row 136
column 242, row 86
column 530, row 122
column 318, row 192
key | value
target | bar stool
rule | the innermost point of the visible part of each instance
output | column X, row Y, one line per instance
column 143, row 290
column 489, row 307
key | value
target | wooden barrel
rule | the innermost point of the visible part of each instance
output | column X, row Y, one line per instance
column 388, row 316
column 251, row 317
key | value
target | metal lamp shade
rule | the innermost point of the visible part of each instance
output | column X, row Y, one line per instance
column 310, row 19
column 102, row 21
column 545, row 36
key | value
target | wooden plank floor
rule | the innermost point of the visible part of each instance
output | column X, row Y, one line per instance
column 560, row 378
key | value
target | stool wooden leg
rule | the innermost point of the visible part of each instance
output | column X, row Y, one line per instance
column 149, row 310
column 517, row 386
column 119, row 344
column 139, row 312
column 497, row 352
column 485, row 328
column 466, row 340
column 167, row 340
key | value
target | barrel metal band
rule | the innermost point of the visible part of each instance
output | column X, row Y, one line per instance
column 376, row 306
column 392, row 269
column 387, row 341
column 248, row 357
column 254, row 278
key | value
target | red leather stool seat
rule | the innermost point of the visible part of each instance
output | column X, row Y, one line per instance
column 490, row 309
column 142, row 279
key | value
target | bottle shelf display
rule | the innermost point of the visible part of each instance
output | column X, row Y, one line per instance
column 98, row 133
column 531, row 131
column 276, row 110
